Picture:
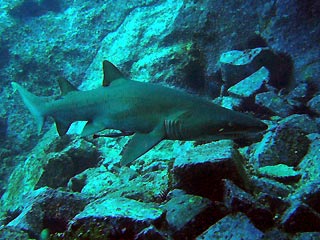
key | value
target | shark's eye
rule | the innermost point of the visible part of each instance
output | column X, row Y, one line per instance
column 221, row 130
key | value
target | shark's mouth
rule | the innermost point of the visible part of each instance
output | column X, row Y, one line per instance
column 240, row 134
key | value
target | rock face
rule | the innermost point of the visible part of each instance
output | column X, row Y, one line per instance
column 259, row 57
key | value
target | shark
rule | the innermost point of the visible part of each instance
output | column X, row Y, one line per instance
column 148, row 111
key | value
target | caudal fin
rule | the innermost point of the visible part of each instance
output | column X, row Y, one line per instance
column 36, row 105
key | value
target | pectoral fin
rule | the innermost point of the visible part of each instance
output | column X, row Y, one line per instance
column 140, row 144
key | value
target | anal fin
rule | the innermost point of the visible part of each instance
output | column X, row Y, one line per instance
column 140, row 144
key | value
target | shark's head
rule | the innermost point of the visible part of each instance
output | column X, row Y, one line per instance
column 221, row 124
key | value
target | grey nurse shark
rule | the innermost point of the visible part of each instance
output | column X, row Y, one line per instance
column 149, row 111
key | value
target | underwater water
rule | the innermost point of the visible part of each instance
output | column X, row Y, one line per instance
column 159, row 119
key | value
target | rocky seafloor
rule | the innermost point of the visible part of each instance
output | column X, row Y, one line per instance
column 258, row 57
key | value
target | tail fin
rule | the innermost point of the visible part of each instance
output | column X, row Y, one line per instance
column 36, row 105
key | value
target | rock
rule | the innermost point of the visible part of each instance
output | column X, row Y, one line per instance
column 280, row 172
column 13, row 233
column 48, row 208
column 275, row 204
column 237, row 200
column 314, row 104
column 251, row 84
column 94, row 181
column 64, row 164
column 271, row 187
column 228, row 102
column 310, row 164
column 281, row 145
column 236, row 226
column 300, row 218
column 298, row 96
column 189, row 215
column 237, row 65
column 147, row 187
column 307, row 236
column 309, row 193
column 301, row 121
column 114, row 217
column 150, row 233
column 274, row 103
column 201, row 169
column 276, row 234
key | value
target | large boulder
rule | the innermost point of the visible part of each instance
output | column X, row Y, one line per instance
column 201, row 170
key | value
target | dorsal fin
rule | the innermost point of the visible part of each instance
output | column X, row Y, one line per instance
column 65, row 86
column 110, row 73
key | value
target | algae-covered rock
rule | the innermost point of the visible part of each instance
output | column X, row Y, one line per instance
column 126, row 182
column 280, row 172
column 104, row 217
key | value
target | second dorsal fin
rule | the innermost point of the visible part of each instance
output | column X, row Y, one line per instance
column 110, row 73
column 65, row 86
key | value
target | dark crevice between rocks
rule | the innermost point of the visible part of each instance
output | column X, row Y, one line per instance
column 3, row 129
column 4, row 54
column 54, row 224
column 214, row 84
column 194, row 78
column 33, row 8
column 281, row 71
column 254, row 41
column 193, row 73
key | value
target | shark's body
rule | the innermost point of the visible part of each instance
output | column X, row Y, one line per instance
column 152, row 112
